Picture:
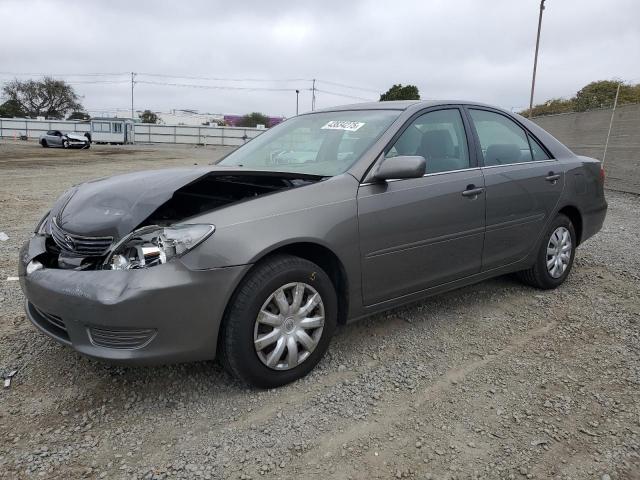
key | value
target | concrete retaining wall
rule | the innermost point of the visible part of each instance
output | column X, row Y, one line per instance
column 585, row 133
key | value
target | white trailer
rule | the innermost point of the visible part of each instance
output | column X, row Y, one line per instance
column 111, row 130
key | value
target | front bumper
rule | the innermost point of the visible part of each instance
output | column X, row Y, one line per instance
column 163, row 314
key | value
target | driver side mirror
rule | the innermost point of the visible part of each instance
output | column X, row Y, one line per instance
column 404, row 166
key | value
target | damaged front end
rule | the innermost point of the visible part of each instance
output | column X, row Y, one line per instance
column 144, row 219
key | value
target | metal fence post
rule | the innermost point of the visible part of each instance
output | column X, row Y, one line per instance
column 613, row 112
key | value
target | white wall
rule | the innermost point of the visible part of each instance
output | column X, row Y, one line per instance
column 144, row 132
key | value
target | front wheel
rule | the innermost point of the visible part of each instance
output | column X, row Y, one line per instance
column 65, row 144
column 279, row 323
column 555, row 256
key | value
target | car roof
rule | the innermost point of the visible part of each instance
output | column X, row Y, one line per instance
column 400, row 105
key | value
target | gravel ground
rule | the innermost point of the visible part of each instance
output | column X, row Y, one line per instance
column 496, row 380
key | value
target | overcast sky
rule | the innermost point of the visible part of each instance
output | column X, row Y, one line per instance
column 464, row 49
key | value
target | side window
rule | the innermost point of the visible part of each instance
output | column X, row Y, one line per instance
column 502, row 140
column 101, row 127
column 117, row 128
column 437, row 136
column 536, row 150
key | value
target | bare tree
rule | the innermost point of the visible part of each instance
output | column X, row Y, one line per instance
column 48, row 97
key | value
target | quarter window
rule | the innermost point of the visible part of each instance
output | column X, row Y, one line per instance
column 536, row 150
column 502, row 140
column 437, row 136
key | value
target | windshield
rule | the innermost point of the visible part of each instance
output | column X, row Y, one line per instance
column 324, row 144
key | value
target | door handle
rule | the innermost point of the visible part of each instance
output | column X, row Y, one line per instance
column 472, row 191
column 552, row 177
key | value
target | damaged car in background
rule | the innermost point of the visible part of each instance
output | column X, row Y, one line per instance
column 56, row 138
column 326, row 218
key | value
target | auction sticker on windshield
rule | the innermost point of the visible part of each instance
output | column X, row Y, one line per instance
column 343, row 125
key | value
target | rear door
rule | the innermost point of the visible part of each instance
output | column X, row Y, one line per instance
column 523, row 185
column 420, row 232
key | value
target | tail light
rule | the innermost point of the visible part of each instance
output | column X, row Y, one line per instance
column 602, row 175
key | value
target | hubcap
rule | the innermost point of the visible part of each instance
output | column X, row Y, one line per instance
column 558, row 252
column 289, row 326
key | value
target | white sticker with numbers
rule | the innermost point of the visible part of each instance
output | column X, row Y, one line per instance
column 343, row 125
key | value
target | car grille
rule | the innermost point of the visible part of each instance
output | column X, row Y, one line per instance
column 77, row 245
column 51, row 323
column 125, row 339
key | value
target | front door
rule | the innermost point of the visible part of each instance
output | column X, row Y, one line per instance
column 421, row 232
column 56, row 139
column 523, row 185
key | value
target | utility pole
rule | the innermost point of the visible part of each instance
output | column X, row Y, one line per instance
column 313, row 95
column 535, row 59
column 297, row 95
column 133, row 75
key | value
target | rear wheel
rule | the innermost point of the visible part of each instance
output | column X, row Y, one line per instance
column 279, row 323
column 65, row 144
column 44, row 143
column 555, row 256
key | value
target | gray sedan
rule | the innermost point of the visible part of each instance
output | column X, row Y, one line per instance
column 56, row 138
column 256, row 260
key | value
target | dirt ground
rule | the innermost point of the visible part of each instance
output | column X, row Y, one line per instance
column 496, row 380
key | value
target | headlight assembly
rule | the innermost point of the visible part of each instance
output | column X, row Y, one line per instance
column 154, row 245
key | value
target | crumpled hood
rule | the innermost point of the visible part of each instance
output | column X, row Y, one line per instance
column 76, row 136
column 114, row 206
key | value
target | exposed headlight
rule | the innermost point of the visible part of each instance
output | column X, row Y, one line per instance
column 42, row 228
column 154, row 245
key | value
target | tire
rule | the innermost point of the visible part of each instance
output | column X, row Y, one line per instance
column 65, row 144
column 256, row 294
column 44, row 144
column 540, row 275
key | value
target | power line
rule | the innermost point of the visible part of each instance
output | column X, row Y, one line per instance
column 351, row 87
column 344, row 95
column 215, row 87
column 22, row 74
column 81, row 82
column 192, row 77
column 221, row 79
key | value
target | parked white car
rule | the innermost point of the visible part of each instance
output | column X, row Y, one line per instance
column 56, row 138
